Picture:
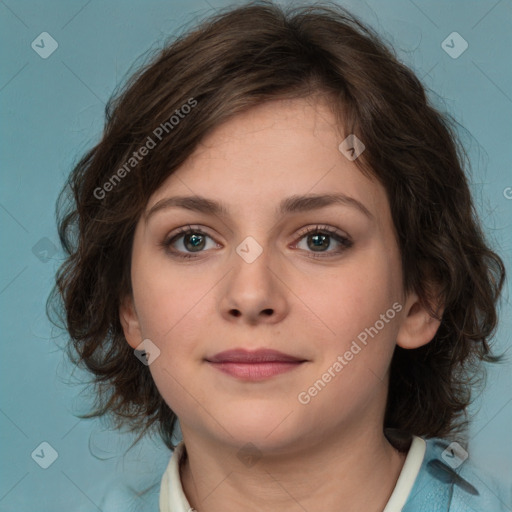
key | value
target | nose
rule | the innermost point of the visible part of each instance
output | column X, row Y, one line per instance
column 254, row 292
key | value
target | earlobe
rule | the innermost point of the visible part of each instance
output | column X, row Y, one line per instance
column 130, row 322
column 418, row 327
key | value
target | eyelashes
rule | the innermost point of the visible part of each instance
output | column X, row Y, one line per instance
column 187, row 231
column 196, row 238
column 320, row 234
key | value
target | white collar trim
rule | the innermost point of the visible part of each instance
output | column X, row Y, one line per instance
column 408, row 475
column 172, row 497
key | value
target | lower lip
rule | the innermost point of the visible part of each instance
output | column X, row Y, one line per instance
column 255, row 371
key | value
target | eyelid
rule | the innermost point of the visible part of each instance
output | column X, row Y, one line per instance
column 340, row 236
column 324, row 228
column 185, row 230
column 303, row 231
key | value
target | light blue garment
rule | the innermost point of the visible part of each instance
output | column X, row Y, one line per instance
column 437, row 488
column 440, row 488
column 123, row 499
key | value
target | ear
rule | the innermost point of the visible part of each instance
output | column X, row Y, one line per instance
column 418, row 327
column 130, row 322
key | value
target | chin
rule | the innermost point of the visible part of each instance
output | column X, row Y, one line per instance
column 266, row 432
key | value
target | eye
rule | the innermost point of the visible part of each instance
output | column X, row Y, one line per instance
column 318, row 239
column 194, row 240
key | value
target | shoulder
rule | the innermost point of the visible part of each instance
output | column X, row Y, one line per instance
column 121, row 497
column 449, row 482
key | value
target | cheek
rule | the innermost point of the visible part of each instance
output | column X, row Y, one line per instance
column 360, row 324
column 167, row 297
column 354, row 297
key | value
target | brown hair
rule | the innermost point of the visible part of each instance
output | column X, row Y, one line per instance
column 235, row 60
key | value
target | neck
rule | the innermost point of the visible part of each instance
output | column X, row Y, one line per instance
column 335, row 473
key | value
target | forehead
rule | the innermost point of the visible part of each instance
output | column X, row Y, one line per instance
column 274, row 150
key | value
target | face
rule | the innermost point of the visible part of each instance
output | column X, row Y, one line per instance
column 308, row 281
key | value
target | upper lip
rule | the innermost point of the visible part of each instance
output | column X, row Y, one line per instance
column 240, row 355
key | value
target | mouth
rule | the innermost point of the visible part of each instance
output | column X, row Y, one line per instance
column 256, row 365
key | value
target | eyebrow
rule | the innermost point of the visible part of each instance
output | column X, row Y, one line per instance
column 292, row 204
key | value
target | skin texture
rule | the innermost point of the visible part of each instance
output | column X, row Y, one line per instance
column 323, row 455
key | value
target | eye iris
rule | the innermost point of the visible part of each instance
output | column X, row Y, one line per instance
column 318, row 240
column 197, row 241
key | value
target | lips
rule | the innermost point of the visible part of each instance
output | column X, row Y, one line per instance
column 254, row 366
column 253, row 357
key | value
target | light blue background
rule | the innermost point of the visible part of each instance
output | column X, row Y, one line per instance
column 53, row 110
